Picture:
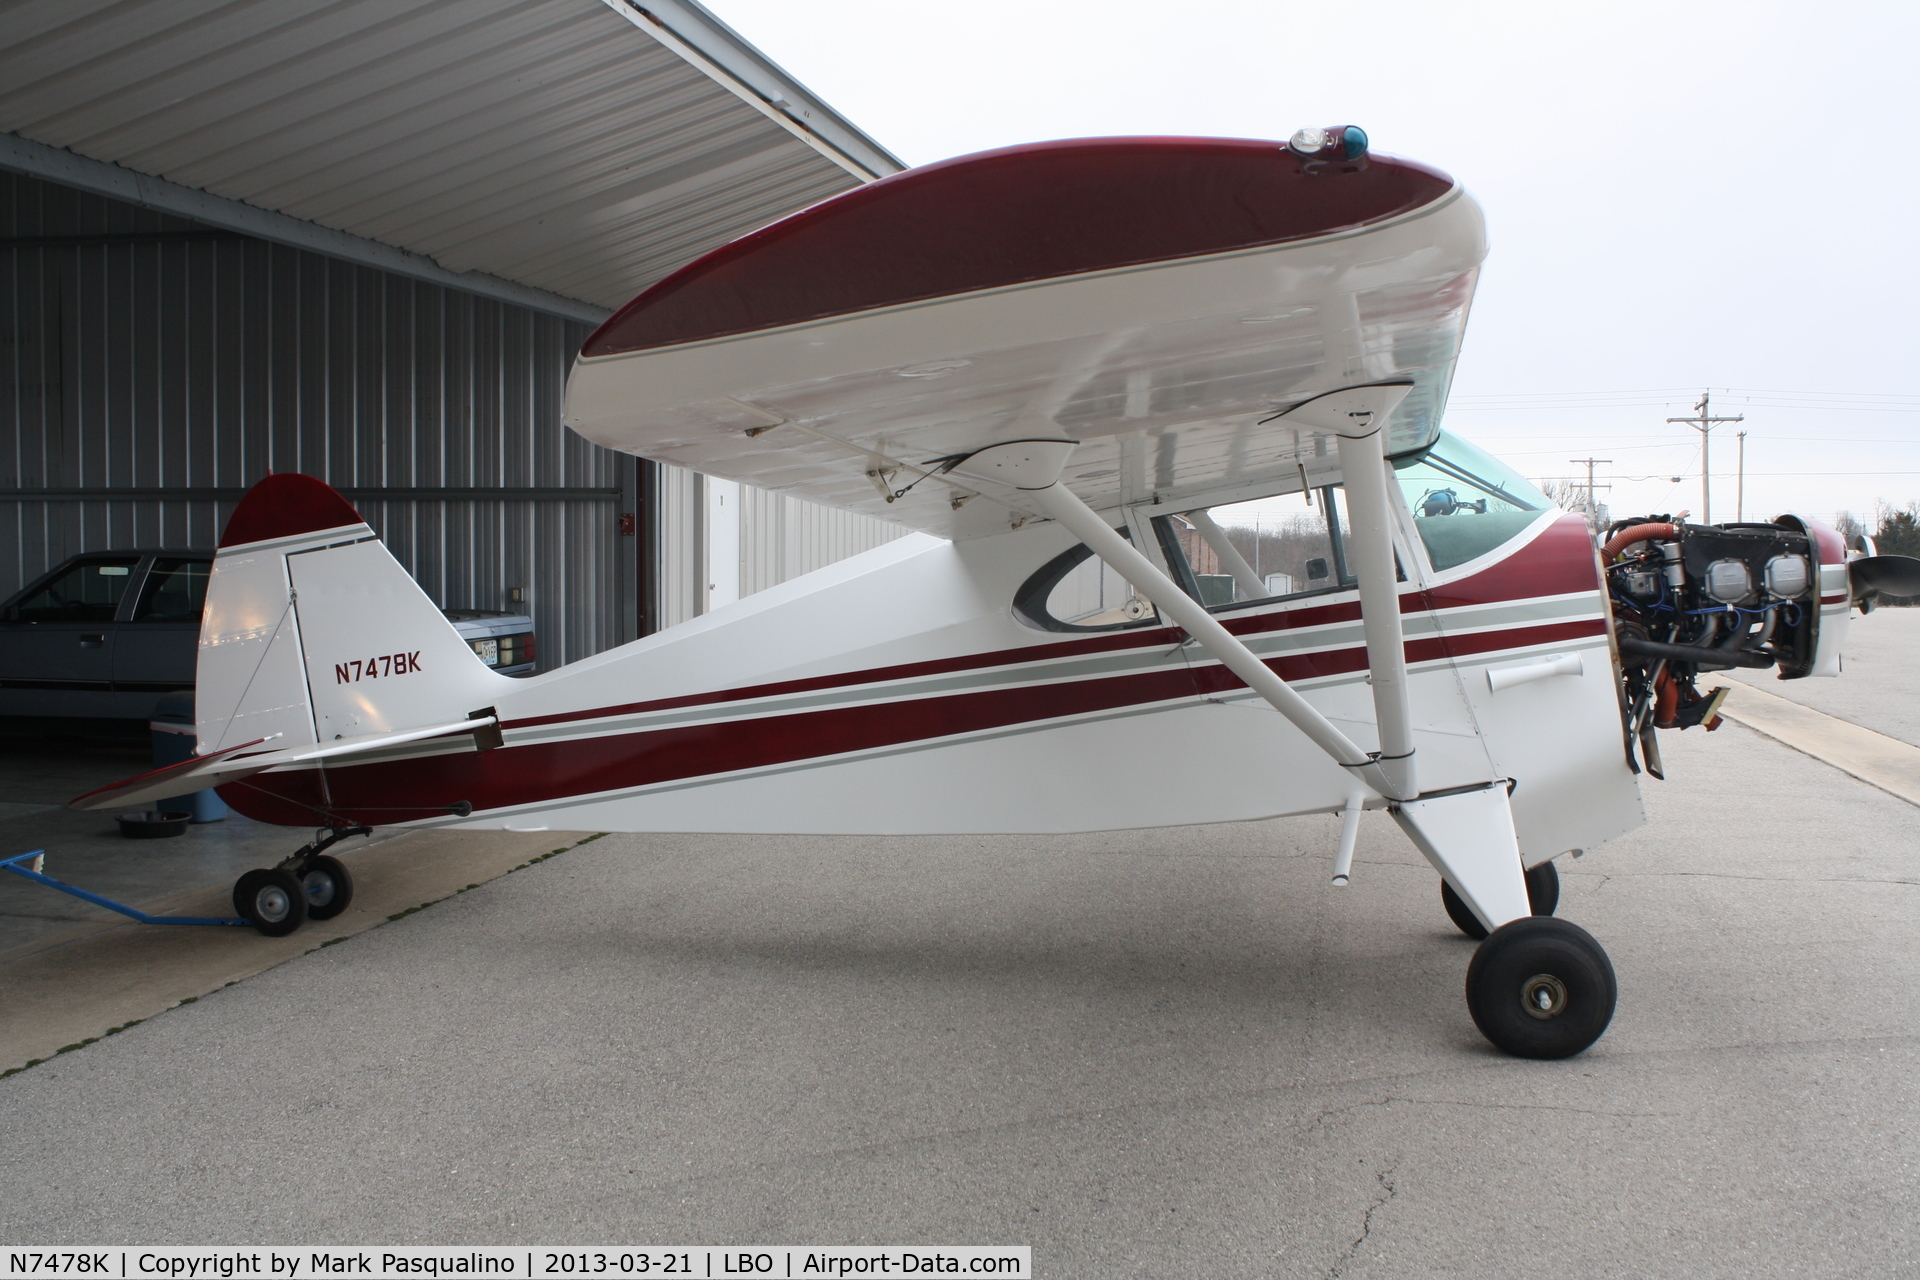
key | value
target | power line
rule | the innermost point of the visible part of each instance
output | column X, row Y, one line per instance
column 1888, row 399
column 1704, row 423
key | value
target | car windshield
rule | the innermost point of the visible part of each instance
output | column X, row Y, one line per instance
column 86, row 592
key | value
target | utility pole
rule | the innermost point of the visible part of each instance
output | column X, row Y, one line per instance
column 1704, row 423
column 1740, row 484
column 1593, row 508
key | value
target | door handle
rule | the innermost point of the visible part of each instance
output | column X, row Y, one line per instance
column 92, row 642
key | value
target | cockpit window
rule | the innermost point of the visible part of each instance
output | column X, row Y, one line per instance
column 1465, row 502
column 1273, row 548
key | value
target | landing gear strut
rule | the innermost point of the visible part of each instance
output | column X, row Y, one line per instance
column 311, row 884
column 1543, row 895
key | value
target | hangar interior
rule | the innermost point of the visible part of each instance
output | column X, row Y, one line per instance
column 365, row 242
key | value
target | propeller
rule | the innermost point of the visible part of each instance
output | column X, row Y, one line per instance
column 1891, row 575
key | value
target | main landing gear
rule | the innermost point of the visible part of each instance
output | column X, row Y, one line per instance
column 1543, row 895
column 1541, row 988
column 311, row 884
column 1538, row 987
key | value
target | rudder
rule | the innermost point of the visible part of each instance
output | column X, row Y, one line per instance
column 314, row 632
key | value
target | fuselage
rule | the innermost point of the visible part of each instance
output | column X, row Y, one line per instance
column 901, row 692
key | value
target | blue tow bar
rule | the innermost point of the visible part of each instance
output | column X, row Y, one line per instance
column 13, row 864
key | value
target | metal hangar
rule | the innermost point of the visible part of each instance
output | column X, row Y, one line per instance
column 364, row 241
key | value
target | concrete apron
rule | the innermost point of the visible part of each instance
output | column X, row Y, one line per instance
column 1874, row 758
column 62, row 991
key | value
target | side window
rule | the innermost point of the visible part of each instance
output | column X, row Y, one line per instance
column 176, row 591
column 88, row 592
column 1273, row 548
column 1076, row 591
column 1465, row 502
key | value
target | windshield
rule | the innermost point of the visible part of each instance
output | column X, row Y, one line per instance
column 1466, row 502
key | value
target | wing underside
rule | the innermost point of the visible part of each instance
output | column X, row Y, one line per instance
column 1171, row 376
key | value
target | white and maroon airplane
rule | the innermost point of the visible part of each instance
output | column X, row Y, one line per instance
column 1061, row 366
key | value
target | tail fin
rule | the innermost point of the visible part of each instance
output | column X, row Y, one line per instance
column 314, row 632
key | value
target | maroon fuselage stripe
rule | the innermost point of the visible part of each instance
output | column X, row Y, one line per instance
column 411, row 789
column 401, row 790
column 1558, row 562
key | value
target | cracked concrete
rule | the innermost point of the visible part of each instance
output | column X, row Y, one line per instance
column 1380, row 1201
column 1142, row 1053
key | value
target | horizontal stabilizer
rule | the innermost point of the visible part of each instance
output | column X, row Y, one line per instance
column 220, row 767
column 169, row 780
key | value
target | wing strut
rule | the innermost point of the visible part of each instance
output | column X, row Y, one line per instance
column 1251, row 587
column 1034, row 466
column 1358, row 417
column 1467, row 832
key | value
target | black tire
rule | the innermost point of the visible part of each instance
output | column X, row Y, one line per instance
column 273, row 900
column 243, row 889
column 1541, row 988
column 1543, row 895
column 1460, row 913
column 1543, row 889
column 329, row 887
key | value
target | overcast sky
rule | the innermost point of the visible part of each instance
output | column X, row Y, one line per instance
column 1680, row 195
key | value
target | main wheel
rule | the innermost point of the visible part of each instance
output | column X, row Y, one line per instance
column 1541, row 988
column 1543, row 895
column 329, row 888
column 273, row 900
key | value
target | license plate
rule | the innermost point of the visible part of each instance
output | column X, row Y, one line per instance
column 489, row 651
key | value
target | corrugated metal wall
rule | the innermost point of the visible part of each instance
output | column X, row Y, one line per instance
column 783, row 537
column 140, row 352
column 150, row 370
column 780, row 538
column 682, row 516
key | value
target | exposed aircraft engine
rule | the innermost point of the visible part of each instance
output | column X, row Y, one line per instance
column 1691, row 598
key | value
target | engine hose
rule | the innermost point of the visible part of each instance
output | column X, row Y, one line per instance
column 1638, row 533
column 1639, row 648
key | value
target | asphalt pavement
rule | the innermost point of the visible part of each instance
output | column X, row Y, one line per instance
column 1879, row 686
column 1142, row 1053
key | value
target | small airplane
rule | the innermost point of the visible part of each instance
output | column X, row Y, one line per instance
column 1064, row 367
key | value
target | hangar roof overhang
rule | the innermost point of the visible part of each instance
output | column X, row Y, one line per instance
column 561, row 154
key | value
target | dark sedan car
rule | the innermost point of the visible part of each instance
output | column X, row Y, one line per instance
column 106, row 633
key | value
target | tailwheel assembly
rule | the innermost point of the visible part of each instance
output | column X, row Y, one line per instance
column 272, row 899
column 311, row 884
column 328, row 886
column 1539, row 987
column 1543, row 896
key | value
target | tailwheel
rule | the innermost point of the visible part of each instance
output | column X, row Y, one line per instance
column 328, row 886
column 1541, row 988
column 1543, row 895
column 274, row 900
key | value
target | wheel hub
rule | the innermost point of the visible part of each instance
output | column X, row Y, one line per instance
column 319, row 887
column 272, row 903
column 1543, row 996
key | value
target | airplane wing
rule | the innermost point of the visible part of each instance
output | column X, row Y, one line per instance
column 229, row 765
column 1157, row 300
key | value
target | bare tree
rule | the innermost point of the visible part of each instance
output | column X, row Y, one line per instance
column 1571, row 495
